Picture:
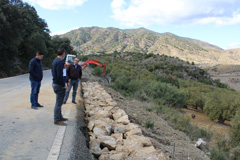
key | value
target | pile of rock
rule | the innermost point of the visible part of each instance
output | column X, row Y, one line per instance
column 112, row 136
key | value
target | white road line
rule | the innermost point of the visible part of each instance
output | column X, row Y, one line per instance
column 57, row 144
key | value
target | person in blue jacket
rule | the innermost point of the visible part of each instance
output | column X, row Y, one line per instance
column 35, row 76
column 59, row 86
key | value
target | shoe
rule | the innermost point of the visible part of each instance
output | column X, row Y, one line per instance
column 39, row 105
column 34, row 107
column 64, row 102
column 61, row 123
column 64, row 119
column 74, row 102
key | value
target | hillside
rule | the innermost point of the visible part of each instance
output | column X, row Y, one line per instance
column 158, row 87
column 107, row 40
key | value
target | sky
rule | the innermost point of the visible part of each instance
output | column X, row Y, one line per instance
column 213, row 21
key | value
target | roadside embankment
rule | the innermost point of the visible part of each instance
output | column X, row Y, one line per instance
column 112, row 136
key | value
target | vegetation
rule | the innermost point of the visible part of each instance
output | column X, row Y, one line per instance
column 153, row 78
column 222, row 105
column 235, row 130
column 149, row 124
column 22, row 34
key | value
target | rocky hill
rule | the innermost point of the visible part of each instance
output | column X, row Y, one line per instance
column 107, row 40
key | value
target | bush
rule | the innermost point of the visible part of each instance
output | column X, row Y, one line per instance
column 150, row 68
column 168, row 79
column 179, row 74
column 98, row 71
column 217, row 154
column 219, row 84
column 236, row 153
column 194, row 98
column 149, row 124
column 221, row 105
column 171, row 95
column 235, row 130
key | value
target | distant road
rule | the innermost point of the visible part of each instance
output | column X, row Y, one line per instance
column 225, row 78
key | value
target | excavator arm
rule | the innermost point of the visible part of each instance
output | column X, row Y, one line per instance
column 97, row 62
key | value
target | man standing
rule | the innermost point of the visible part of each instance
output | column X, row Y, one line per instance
column 36, row 75
column 74, row 73
column 59, row 87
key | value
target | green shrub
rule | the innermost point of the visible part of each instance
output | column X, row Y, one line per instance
column 236, row 153
column 221, row 105
column 194, row 97
column 168, row 79
column 219, row 84
column 149, row 109
column 149, row 124
column 217, row 154
column 98, row 71
column 150, row 68
column 83, row 58
column 171, row 95
column 179, row 74
column 235, row 130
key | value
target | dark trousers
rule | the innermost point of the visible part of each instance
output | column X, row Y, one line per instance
column 60, row 93
column 74, row 84
column 35, row 85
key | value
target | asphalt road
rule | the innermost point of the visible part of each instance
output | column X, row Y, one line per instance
column 27, row 134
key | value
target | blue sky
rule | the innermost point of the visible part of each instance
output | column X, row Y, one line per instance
column 213, row 21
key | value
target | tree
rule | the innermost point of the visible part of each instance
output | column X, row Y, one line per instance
column 194, row 98
column 221, row 105
column 22, row 34
column 235, row 130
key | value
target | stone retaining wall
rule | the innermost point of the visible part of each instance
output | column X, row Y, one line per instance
column 112, row 136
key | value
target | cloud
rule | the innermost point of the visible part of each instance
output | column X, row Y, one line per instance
column 234, row 45
column 152, row 12
column 58, row 4
column 62, row 32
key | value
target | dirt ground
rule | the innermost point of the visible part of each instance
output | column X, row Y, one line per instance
column 203, row 121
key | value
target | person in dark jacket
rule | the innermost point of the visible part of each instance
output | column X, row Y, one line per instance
column 74, row 74
column 59, row 87
column 35, row 76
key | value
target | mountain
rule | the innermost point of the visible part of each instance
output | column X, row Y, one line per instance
column 94, row 40
column 234, row 51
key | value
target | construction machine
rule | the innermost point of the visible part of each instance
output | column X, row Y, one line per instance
column 70, row 59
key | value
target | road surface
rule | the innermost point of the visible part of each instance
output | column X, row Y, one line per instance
column 231, row 79
column 27, row 134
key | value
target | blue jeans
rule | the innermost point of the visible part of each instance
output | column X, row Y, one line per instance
column 60, row 93
column 74, row 84
column 35, row 85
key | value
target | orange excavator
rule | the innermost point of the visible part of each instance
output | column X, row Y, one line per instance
column 70, row 58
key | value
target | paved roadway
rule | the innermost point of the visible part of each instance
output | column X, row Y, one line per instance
column 27, row 134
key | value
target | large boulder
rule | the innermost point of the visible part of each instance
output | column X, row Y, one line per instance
column 144, row 151
column 118, row 137
column 108, row 141
column 102, row 127
column 94, row 147
column 124, row 120
column 113, row 155
column 131, row 126
column 118, row 114
column 135, row 131
column 119, row 128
